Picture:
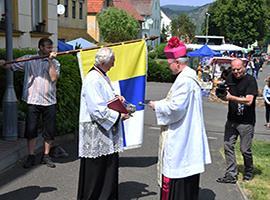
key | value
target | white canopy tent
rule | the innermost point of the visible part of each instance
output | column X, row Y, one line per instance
column 81, row 43
column 222, row 47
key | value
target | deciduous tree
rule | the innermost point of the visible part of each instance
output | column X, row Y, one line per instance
column 242, row 22
column 183, row 27
column 117, row 25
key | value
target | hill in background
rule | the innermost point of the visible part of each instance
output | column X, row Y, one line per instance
column 196, row 13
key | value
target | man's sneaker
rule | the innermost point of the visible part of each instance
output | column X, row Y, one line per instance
column 248, row 177
column 30, row 161
column 227, row 179
column 47, row 160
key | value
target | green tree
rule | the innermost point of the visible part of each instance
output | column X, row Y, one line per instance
column 183, row 27
column 242, row 22
column 117, row 25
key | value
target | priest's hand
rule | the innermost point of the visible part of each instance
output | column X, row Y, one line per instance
column 121, row 98
column 151, row 104
column 124, row 116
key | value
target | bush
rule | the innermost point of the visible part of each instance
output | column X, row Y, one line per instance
column 68, row 95
column 158, row 71
column 160, row 51
column 152, row 54
column 68, row 90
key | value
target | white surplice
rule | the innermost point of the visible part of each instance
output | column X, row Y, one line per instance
column 99, row 134
column 183, row 146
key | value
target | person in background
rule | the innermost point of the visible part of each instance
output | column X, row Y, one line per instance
column 183, row 149
column 241, row 95
column 100, row 133
column 266, row 96
column 39, row 92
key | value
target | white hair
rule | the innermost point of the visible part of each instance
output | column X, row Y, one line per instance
column 182, row 59
column 103, row 55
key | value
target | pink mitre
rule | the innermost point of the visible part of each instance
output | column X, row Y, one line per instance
column 175, row 48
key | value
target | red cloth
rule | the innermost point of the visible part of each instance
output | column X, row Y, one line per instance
column 165, row 190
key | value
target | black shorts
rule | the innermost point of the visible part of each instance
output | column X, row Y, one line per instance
column 48, row 114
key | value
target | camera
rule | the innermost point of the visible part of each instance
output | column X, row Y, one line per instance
column 221, row 90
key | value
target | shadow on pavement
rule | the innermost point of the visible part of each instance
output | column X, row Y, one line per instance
column 29, row 193
column 137, row 161
column 133, row 190
column 206, row 194
column 70, row 147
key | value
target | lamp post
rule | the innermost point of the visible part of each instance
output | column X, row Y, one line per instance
column 9, row 99
column 206, row 26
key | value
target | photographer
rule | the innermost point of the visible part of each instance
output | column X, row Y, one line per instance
column 241, row 94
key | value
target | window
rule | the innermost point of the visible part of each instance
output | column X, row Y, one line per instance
column 36, row 14
column 80, row 10
column 66, row 8
column 73, row 9
column 108, row 3
column 2, row 8
column 2, row 13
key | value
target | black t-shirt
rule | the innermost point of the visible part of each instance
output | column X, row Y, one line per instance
column 240, row 113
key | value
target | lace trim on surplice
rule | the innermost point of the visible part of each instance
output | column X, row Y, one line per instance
column 95, row 141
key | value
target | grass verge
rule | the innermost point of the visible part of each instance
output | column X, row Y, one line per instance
column 259, row 187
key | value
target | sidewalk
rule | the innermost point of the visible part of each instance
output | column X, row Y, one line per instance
column 12, row 151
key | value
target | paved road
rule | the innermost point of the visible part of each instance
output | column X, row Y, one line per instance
column 137, row 167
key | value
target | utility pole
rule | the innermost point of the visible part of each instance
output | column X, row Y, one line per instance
column 10, row 127
column 207, row 26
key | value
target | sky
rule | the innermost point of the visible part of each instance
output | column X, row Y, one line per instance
column 185, row 2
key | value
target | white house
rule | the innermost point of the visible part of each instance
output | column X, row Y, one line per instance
column 166, row 23
column 150, row 10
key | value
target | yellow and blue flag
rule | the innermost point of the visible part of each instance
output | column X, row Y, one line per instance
column 128, row 78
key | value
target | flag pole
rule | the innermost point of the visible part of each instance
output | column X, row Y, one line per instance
column 78, row 50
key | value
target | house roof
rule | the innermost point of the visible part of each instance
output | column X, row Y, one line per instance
column 144, row 7
column 128, row 6
column 94, row 6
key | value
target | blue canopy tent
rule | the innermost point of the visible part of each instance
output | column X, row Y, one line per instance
column 62, row 46
column 204, row 51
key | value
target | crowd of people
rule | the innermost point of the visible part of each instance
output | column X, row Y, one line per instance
column 183, row 146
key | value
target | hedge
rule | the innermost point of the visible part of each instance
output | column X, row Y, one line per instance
column 158, row 71
column 68, row 90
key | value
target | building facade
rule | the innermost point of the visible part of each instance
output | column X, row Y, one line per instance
column 146, row 12
column 31, row 20
column 73, row 23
